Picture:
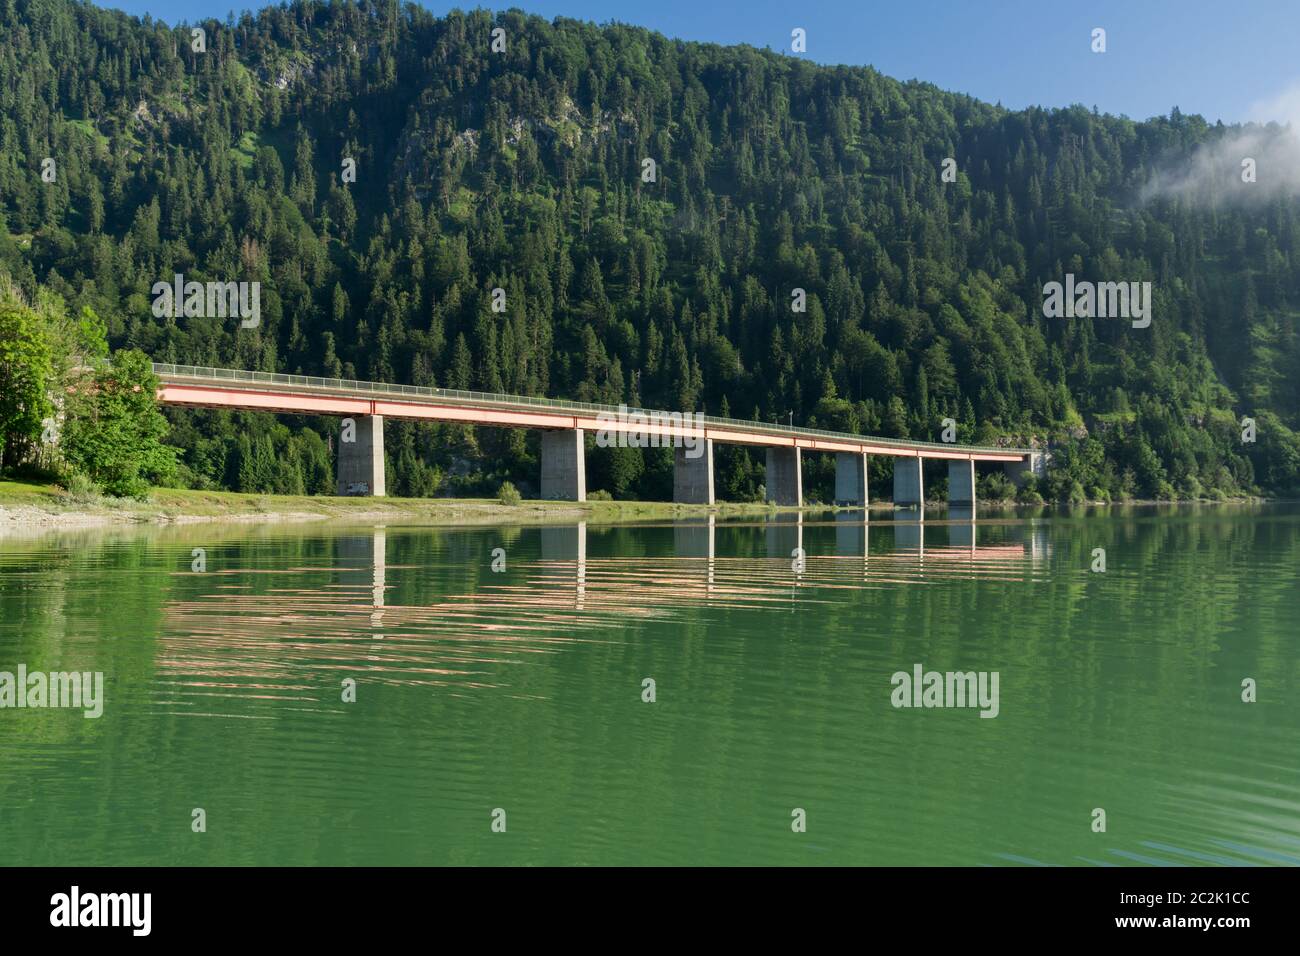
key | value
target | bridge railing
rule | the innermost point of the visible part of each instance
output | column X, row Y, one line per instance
column 167, row 370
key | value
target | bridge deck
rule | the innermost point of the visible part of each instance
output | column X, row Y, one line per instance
column 193, row 386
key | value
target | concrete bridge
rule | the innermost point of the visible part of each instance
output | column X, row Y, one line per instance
column 564, row 424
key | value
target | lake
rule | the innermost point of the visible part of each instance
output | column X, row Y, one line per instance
column 504, row 716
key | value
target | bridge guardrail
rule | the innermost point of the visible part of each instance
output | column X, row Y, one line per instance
column 166, row 369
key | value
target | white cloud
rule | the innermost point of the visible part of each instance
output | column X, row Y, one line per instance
column 1213, row 172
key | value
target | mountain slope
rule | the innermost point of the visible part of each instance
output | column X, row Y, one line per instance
column 525, row 170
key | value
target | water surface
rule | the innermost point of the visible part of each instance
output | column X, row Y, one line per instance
column 522, row 690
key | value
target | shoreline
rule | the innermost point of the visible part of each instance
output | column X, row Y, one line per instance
column 29, row 508
column 26, row 508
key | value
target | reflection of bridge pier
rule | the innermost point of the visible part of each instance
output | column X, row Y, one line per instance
column 910, row 535
column 697, row 538
column 1036, row 544
column 962, row 535
column 784, row 533
column 853, row 536
column 368, row 554
column 851, row 533
column 378, row 574
column 568, row 543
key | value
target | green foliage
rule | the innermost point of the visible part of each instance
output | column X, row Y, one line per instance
column 508, row 494
column 617, row 470
column 995, row 487
column 113, row 430
column 522, row 171
column 81, row 490
column 24, row 379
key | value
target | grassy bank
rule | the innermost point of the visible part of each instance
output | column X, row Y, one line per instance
column 23, row 503
column 27, row 506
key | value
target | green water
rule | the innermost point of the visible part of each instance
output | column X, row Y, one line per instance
column 522, row 690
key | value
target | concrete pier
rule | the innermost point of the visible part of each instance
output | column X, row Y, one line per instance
column 784, row 481
column 361, row 460
column 564, row 465
column 961, row 481
column 851, row 479
column 909, row 489
column 693, row 477
column 1019, row 471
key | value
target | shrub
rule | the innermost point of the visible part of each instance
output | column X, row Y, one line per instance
column 1028, row 496
column 81, row 490
column 997, row 487
column 508, row 494
column 1191, row 488
column 601, row 495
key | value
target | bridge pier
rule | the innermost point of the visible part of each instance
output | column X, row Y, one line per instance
column 784, row 480
column 693, row 477
column 1019, row 471
column 361, row 461
column 909, row 486
column 564, row 465
column 961, row 482
column 851, row 479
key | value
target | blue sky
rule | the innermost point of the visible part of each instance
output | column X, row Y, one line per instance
column 1231, row 60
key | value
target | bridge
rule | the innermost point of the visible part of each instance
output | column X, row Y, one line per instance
column 564, row 426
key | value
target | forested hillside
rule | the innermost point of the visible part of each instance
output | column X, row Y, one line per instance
column 524, row 170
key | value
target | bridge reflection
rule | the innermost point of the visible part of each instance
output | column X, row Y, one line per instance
column 444, row 618
column 564, row 564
